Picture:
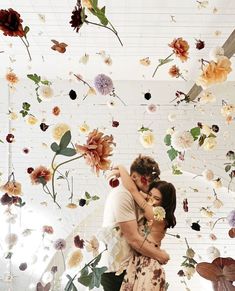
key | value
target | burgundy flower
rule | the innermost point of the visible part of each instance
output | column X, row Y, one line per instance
column 10, row 23
column 6, row 199
column 196, row 226
column 47, row 229
column 200, row 44
column 78, row 16
column 78, row 242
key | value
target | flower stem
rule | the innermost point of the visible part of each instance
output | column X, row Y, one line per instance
column 186, row 242
column 161, row 63
column 111, row 29
column 217, row 221
column 26, row 43
column 63, row 259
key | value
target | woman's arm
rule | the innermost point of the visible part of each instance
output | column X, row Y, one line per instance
column 129, row 184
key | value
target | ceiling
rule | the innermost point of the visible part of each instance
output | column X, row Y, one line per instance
column 145, row 27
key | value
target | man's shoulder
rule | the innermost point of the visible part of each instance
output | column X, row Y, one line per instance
column 120, row 191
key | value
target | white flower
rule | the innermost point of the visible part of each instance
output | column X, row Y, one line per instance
column 93, row 246
column 84, row 128
column 206, row 130
column 171, row 117
column 207, row 97
column 59, row 130
column 208, row 174
column 216, row 53
column 13, row 115
column 213, row 253
column 84, row 59
column 45, row 92
column 228, row 109
column 181, row 141
column 147, row 139
column 217, row 183
column 159, row 213
column 206, row 212
column 209, row 143
column 11, row 240
column 217, row 203
column 189, row 272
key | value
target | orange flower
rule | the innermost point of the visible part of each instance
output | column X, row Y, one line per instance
column 97, row 150
column 174, row 71
column 56, row 110
column 215, row 72
column 59, row 46
column 12, row 78
column 180, row 48
column 40, row 175
column 12, row 188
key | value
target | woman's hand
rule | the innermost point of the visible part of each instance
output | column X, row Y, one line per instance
column 114, row 173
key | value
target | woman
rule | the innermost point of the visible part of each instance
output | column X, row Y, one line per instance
column 144, row 273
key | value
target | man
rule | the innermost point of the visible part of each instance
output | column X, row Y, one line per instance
column 120, row 226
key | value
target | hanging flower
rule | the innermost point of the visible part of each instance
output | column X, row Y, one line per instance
column 11, row 25
column 181, row 141
column 40, row 175
column 93, row 246
column 75, row 259
column 97, row 150
column 103, row 84
column 59, row 130
column 12, row 188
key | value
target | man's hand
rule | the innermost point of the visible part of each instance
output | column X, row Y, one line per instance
column 162, row 257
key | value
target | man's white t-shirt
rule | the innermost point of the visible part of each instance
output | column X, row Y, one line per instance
column 119, row 207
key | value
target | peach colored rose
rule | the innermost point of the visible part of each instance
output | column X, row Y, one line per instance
column 12, row 188
column 97, row 150
column 180, row 48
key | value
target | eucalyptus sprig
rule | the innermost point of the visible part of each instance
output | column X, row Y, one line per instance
column 38, row 82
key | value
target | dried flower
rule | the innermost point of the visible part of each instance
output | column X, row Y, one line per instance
column 93, row 246
column 180, row 48
column 145, row 62
column 147, row 139
column 12, row 78
column 6, row 199
column 189, row 271
column 84, row 128
column 78, row 242
column 23, row 266
column 72, row 94
column 78, row 16
column 231, row 218
column 82, row 202
column 31, row 120
column 40, row 175
column 56, row 110
column 59, row 130
column 159, row 213
column 207, row 97
column 10, row 137
column 108, row 61
column 217, row 183
column 47, row 229
column 213, row 253
column 59, row 46
column 97, row 150
column 227, row 109
column 11, row 240
column 200, row 44
column 72, row 205
column 217, row 203
column 181, row 141
column 196, row 226
column 216, row 53
column 151, row 108
column 209, row 143
column 103, row 84
column 75, row 259
column 174, row 71
column 11, row 23
column 60, row 244
column 45, row 92
column 84, row 59
column 12, row 188
column 206, row 212
column 208, row 174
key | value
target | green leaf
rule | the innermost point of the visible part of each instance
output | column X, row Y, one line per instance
column 45, row 82
column 24, row 113
column 68, row 152
column 195, row 132
column 176, row 171
column 201, row 139
column 70, row 285
column 172, row 153
column 85, row 280
column 42, row 181
column 84, row 271
column 95, row 197
column 26, row 30
column 164, row 61
column 96, row 277
column 34, row 77
column 1, row 141
column 167, row 140
column 96, row 261
column 55, row 147
column 142, row 129
column 211, row 135
column 26, row 106
column 87, row 195
column 65, row 140
column 227, row 168
column 103, row 10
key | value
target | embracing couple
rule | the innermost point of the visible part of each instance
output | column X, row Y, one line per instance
column 137, row 214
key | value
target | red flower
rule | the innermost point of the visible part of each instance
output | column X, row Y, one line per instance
column 10, row 23
column 40, row 175
column 78, row 242
column 78, row 16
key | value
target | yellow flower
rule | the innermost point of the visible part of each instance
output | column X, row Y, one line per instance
column 147, row 139
column 31, row 120
column 87, row 4
column 217, row 183
column 59, row 130
column 209, row 143
column 13, row 115
column 91, row 91
column 84, row 128
column 12, row 188
column 45, row 92
column 145, row 62
column 206, row 212
column 159, row 213
column 75, row 259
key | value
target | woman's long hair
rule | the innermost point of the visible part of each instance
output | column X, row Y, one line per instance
column 168, row 200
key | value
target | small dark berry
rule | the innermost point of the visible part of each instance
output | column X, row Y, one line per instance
column 82, row 202
column 54, row 269
column 196, row 226
column 230, row 155
column 6, row 199
column 10, row 138
column 199, row 124
column 30, row 170
column 25, row 150
column 23, row 266
column 215, row 128
column 181, row 273
column 72, row 94
column 115, row 123
column 147, row 96
column 200, row 44
column 44, row 126
column 114, row 182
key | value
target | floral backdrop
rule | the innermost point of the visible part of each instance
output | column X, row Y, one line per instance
column 59, row 136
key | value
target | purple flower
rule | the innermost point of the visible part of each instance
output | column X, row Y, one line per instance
column 231, row 218
column 103, row 84
column 60, row 244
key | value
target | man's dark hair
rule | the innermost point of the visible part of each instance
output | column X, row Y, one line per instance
column 146, row 166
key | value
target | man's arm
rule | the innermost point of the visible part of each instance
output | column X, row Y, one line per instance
column 129, row 230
